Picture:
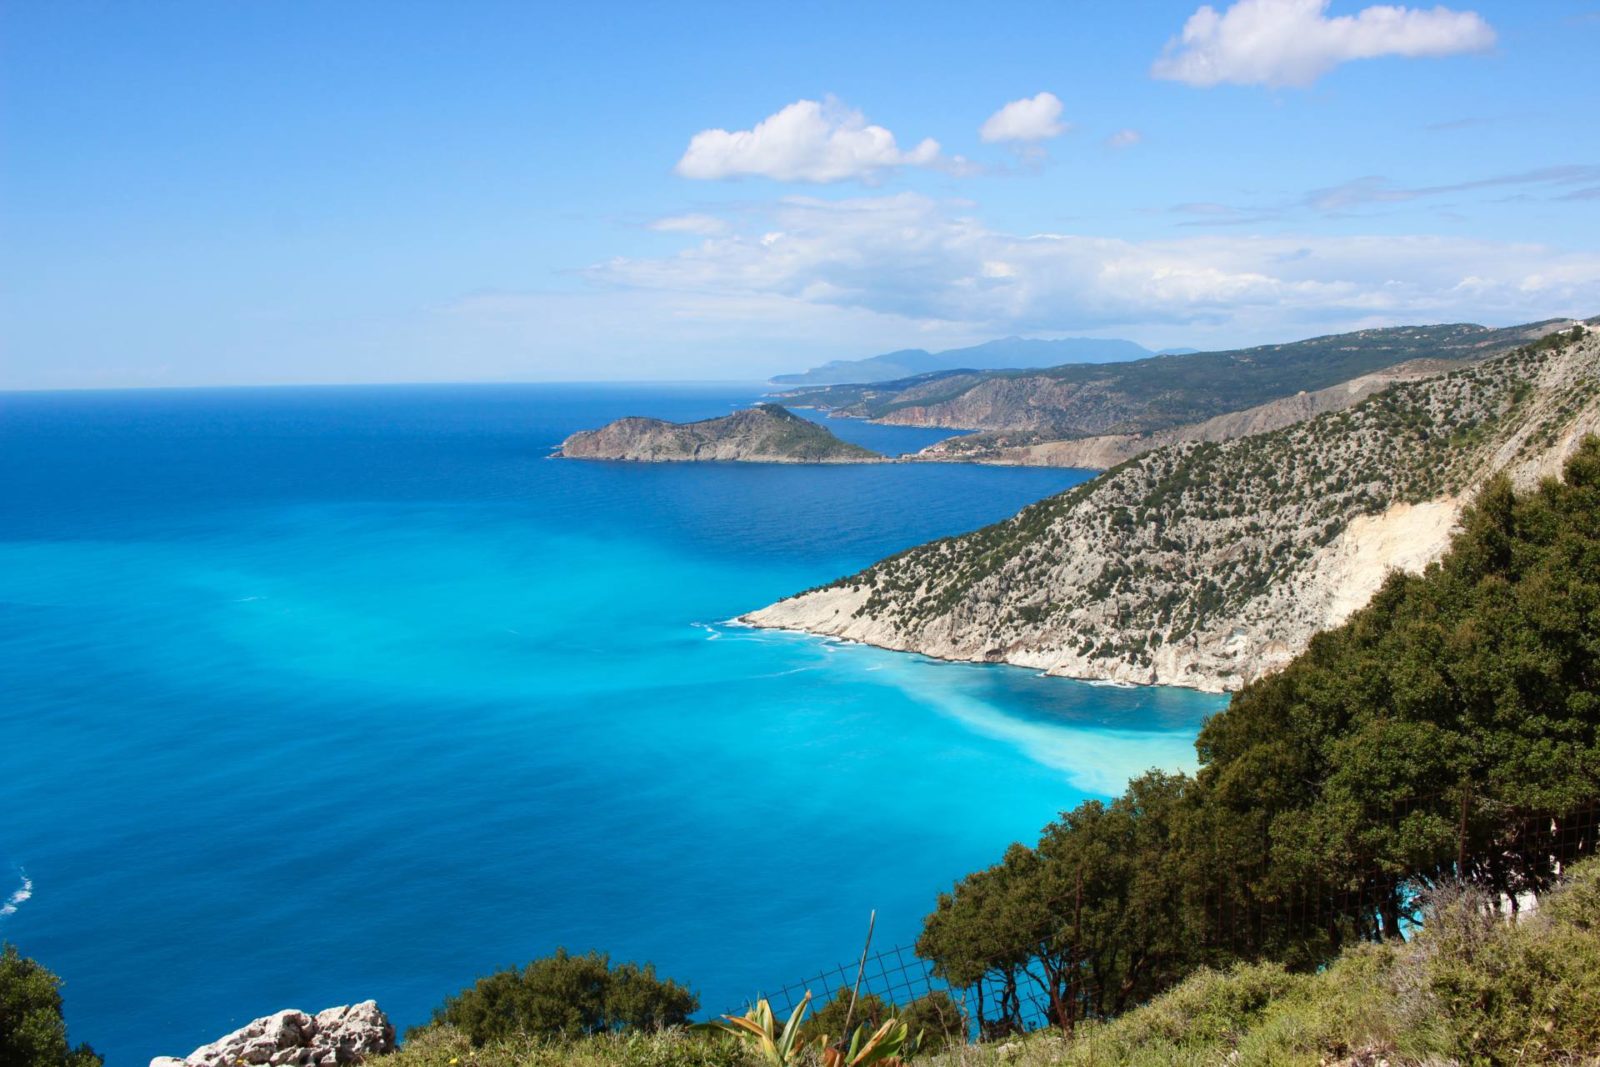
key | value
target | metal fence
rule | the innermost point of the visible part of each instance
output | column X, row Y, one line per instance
column 898, row 977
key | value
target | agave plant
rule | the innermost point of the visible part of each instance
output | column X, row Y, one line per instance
column 758, row 1029
column 883, row 1047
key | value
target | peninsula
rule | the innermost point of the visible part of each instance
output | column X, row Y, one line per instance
column 766, row 433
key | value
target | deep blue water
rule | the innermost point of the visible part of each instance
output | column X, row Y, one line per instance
column 313, row 695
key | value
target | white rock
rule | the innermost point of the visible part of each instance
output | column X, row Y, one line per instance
column 294, row 1039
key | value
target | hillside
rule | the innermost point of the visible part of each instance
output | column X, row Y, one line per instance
column 1157, row 393
column 1206, row 564
column 1008, row 352
column 1007, row 448
column 766, row 433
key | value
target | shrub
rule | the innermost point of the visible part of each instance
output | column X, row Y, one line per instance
column 32, row 1030
column 935, row 1020
column 566, row 996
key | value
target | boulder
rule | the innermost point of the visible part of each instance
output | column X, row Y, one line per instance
column 343, row 1035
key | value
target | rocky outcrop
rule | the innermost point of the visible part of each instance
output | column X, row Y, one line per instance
column 1209, row 564
column 1108, row 450
column 766, row 433
column 344, row 1035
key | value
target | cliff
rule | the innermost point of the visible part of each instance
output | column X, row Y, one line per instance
column 763, row 434
column 1209, row 564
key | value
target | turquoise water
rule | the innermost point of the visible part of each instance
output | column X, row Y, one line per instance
column 314, row 695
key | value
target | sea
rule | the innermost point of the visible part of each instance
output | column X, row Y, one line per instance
column 315, row 695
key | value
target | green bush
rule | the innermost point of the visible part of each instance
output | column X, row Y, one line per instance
column 32, row 1031
column 565, row 996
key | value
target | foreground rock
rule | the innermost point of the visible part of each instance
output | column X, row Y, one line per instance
column 766, row 433
column 349, row 1034
column 1210, row 564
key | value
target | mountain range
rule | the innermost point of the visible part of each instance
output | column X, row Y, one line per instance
column 1007, row 352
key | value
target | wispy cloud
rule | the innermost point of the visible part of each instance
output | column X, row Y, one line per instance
column 807, row 141
column 706, row 225
column 1375, row 189
column 1282, row 43
column 1124, row 139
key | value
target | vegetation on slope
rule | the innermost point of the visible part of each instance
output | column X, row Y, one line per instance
column 1470, row 988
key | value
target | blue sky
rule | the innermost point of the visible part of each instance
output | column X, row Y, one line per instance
column 205, row 193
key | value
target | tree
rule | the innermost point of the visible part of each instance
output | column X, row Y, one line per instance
column 32, row 1030
column 567, row 996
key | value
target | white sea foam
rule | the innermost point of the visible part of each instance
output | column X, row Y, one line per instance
column 712, row 633
column 1095, row 760
column 17, row 899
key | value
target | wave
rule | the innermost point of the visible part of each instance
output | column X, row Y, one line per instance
column 17, row 899
column 712, row 633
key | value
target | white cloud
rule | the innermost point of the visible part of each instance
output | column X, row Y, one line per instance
column 808, row 141
column 1294, row 42
column 706, row 225
column 1124, row 138
column 1033, row 118
column 930, row 262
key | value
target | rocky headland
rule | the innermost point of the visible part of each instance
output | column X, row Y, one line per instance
column 766, row 433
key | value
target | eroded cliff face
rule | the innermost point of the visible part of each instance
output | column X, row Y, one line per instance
column 1209, row 564
column 764, row 434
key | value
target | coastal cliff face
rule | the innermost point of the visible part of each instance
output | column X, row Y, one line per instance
column 1209, row 564
column 763, row 434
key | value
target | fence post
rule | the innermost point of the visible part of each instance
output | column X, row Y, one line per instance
column 872, row 921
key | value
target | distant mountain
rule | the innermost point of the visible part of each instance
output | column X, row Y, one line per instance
column 1004, row 354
